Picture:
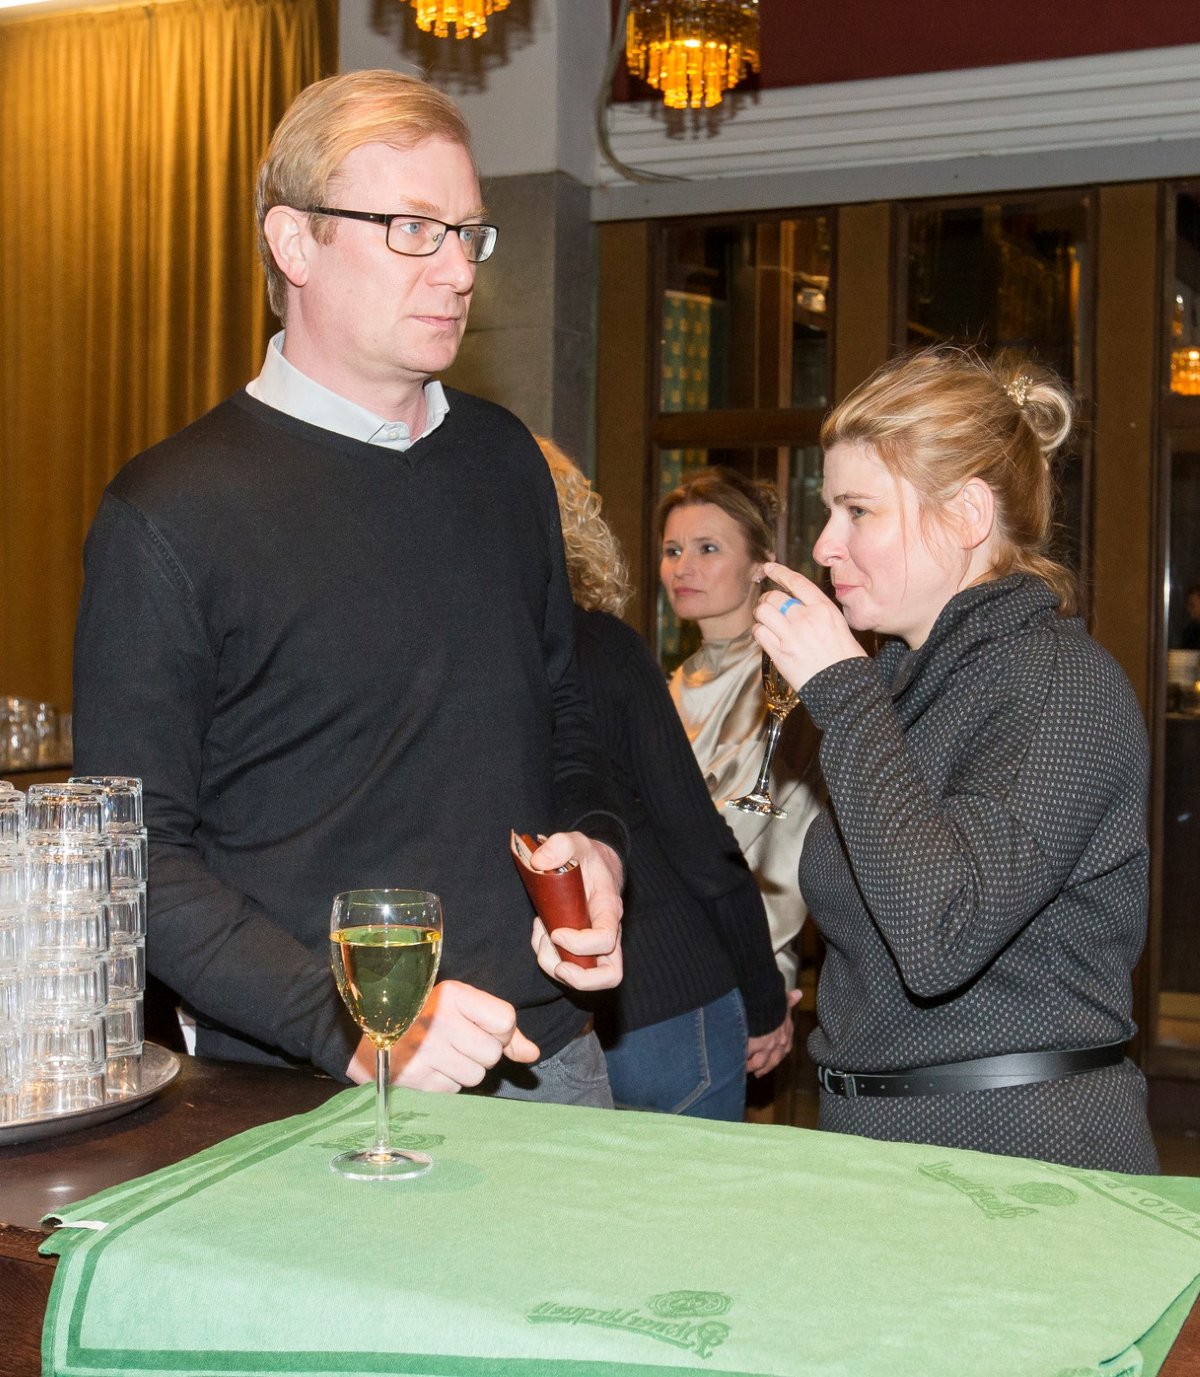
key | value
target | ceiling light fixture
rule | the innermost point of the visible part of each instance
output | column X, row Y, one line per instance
column 469, row 17
column 693, row 51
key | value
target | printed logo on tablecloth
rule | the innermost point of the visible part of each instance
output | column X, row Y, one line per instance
column 990, row 1200
column 673, row 1305
column 684, row 1319
column 979, row 1193
column 1044, row 1193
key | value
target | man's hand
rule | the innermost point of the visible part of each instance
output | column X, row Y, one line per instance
column 460, row 1034
column 602, row 879
column 764, row 1053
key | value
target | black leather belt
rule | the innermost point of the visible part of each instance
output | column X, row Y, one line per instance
column 984, row 1073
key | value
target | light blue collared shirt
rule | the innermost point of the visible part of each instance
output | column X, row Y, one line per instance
column 284, row 387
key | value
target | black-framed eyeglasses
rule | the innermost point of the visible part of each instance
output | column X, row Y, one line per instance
column 417, row 236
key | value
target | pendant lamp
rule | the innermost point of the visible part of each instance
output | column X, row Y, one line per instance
column 693, row 51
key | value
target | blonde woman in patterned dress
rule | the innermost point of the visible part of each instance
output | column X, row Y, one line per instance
column 980, row 872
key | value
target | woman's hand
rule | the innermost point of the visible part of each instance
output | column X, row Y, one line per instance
column 764, row 1053
column 810, row 636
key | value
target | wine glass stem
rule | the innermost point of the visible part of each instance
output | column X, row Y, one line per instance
column 383, row 1089
column 774, row 727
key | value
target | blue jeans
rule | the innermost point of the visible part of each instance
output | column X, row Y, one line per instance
column 574, row 1075
column 694, row 1064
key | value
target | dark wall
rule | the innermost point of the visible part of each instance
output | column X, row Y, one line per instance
column 804, row 44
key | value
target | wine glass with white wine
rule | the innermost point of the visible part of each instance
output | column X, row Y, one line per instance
column 384, row 945
column 781, row 699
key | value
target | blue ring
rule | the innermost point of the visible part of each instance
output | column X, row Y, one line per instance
column 789, row 602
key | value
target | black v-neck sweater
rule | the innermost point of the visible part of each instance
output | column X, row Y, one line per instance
column 335, row 666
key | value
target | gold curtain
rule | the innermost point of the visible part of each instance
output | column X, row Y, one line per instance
column 130, row 296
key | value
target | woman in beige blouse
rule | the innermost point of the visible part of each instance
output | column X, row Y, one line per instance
column 717, row 530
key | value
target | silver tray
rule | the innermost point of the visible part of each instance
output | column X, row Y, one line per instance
column 159, row 1069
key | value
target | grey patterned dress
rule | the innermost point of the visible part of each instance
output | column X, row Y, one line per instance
column 980, row 877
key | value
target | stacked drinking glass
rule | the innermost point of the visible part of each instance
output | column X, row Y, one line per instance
column 65, row 974
column 125, row 840
column 72, row 945
column 12, row 946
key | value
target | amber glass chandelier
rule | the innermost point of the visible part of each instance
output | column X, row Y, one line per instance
column 469, row 17
column 693, row 51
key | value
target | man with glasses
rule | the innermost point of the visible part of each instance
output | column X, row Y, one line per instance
column 329, row 625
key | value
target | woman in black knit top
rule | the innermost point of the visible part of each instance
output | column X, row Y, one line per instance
column 702, row 1001
column 980, row 873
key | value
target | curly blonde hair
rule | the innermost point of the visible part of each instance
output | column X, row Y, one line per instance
column 595, row 565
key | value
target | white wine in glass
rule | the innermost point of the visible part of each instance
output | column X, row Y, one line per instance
column 781, row 696
column 781, row 699
column 384, row 945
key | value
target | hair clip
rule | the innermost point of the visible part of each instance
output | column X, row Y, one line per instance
column 1018, row 389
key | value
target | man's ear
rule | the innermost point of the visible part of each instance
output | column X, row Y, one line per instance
column 286, row 231
column 975, row 512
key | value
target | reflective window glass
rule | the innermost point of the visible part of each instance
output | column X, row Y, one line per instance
column 745, row 311
column 1185, row 297
column 1179, row 934
column 1001, row 276
column 1176, row 981
column 1009, row 275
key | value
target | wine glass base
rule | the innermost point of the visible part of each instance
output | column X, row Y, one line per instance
column 757, row 803
column 370, row 1164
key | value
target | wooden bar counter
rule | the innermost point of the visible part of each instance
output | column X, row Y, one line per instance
column 206, row 1103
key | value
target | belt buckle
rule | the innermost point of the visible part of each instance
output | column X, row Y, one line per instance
column 847, row 1087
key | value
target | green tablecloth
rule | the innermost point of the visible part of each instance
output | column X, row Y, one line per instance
column 550, row 1240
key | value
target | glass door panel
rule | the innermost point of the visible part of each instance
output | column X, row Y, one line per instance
column 745, row 312
column 1184, row 343
column 1178, row 1013
column 1175, row 976
column 1001, row 275
column 1009, row 275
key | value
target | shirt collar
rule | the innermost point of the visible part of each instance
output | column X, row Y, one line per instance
column 281, row 385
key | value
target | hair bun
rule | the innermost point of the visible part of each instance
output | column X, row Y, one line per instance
column 1044, row 403
column 768, row 496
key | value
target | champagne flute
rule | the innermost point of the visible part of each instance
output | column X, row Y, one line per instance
column 781, row 699
column 384, row 948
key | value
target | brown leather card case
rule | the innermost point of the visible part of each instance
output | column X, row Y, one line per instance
column 557, row 895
